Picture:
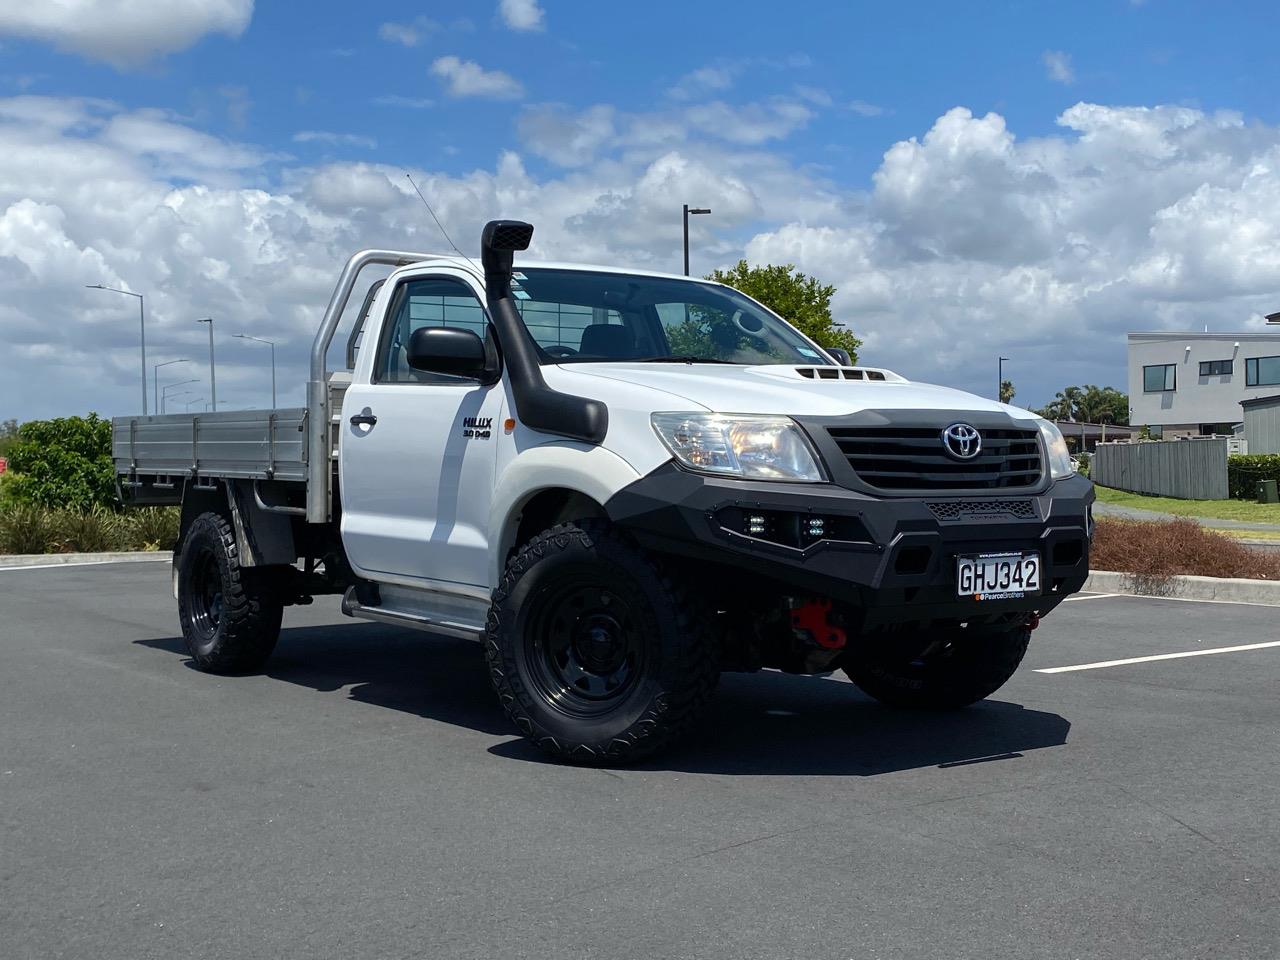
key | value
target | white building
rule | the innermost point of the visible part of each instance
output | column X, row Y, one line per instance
column 1191, row 384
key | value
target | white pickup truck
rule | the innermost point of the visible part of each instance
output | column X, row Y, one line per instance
column 622, row 483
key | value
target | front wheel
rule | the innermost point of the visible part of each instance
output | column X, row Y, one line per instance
column 230, row 614
column 943, row 668
column 595, row 655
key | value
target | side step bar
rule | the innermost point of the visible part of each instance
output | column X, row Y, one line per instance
column 410, row 618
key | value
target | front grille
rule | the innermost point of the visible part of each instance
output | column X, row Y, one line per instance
column 913, row 458
column 976, row 509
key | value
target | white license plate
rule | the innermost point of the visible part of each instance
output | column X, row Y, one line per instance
column 998, row 576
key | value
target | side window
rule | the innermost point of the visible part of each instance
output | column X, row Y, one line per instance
column 425, row 302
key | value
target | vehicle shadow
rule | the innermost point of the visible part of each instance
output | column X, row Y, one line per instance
column 759, row 724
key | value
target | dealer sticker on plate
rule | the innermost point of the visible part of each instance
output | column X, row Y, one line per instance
column 998, row 576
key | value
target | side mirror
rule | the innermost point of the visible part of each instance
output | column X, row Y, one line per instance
column 450, row 350
column 842, row 356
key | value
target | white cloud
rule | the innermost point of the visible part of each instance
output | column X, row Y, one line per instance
column 553, row 131
column 752, row 123
column 335, row 139
column 522, row 15
column 815, row 95
column 124, row 33
column 968, row 243
column 703, row 81
column 1057, row 66
column 408, row 34
column 466, row 78
column 864, row 109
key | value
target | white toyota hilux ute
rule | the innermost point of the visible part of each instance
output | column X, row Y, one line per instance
column 622, row 483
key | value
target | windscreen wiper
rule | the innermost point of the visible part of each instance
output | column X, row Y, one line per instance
column 685, row 359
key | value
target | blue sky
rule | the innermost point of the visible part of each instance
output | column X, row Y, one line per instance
column 1025, row 178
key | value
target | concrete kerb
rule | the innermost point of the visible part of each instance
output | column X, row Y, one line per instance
column 20, row 560
column 1222, row 589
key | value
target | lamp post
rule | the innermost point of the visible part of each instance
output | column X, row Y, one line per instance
column 142, row 328
column 272, row 344
column 1000, row 378
column 688, row 211
column 155, row 378
column 213, row 380
column 164, row 392
column 191, row 402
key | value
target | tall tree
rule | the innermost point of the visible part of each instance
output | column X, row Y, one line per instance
column 63, row 463
column 802, row 301
column 1088, row 404
column 8, row 435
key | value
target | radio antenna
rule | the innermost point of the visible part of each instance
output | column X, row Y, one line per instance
column 443, row 232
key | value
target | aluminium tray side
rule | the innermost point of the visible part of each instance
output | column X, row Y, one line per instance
column 238, row 444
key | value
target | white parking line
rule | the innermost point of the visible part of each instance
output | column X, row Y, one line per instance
column 1159, row 656
column 1093, row 596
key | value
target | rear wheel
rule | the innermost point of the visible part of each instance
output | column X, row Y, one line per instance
column 944, row 668
column 230, row 614
column 596, row 656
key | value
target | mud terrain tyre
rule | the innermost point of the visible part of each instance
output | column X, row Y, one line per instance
column 595, row 655
column 230, row 614
column 940, row 670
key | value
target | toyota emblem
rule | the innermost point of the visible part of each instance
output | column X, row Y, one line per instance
column 962, row 441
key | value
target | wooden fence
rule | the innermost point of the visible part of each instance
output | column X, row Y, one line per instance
column 1189, row 469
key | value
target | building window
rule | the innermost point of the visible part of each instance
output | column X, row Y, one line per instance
column 1160, row 377
column 1261, row 371
column 1215, row 368
column 1215, row 429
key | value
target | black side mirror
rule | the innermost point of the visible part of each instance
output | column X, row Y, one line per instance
column 450, row 350
column 842, row 356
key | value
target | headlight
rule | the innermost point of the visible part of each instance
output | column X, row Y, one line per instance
column 751, row 448
column 1061, row 465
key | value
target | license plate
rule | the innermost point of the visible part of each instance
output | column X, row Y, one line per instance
column 998, row 576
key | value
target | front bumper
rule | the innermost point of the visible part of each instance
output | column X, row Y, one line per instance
column 893, row 558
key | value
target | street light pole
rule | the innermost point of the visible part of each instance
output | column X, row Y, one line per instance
column 155, row 378
column 196, row 400
column 213, row 380
column 164, row 392
column 142, row 327
column 272, row 344
column 688, row 210
column 1000, row 378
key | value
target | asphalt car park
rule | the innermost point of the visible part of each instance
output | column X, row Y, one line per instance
column 365, row 798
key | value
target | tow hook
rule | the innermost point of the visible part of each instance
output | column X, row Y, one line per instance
column 1034, row 621
column 814, row 618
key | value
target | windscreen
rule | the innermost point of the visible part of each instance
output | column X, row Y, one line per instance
column 582, row 315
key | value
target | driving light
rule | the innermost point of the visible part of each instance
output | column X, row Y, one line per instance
column 1061, row 465
column 733, row 445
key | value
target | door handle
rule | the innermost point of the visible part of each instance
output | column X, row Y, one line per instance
column 363, row 419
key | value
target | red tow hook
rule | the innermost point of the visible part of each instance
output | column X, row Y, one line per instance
column 814, row 618
column 1034, row 621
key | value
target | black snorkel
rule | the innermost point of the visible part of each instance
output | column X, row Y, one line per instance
column 537, row 405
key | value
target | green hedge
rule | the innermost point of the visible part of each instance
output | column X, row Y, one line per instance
column 62, row 464
column 1245, row 470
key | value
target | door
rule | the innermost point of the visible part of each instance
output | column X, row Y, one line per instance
column 416, row 480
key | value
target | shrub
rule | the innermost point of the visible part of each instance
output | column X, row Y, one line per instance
column 29, row 529
column 153, row 528
column 63, row 463
column 25, row 529
column 1245, row 470
column 1154, row 551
